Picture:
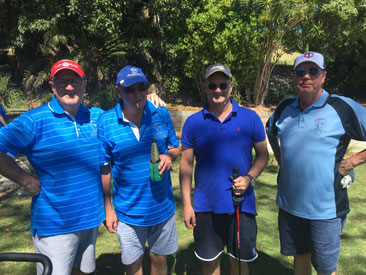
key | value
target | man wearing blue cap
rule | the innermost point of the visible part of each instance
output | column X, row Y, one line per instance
column 309, row 134
column 143, row 208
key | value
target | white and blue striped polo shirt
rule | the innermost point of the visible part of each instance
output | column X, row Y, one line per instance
column 64, row 153
column 137, row 200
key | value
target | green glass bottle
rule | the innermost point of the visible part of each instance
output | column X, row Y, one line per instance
column 154, row 162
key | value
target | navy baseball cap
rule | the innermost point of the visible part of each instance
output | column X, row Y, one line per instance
column 218, row 67
column 314, row 57
column 130, row 75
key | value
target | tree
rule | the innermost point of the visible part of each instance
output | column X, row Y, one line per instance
column 249, row 36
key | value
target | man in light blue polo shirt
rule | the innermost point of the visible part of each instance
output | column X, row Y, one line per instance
column 220, row 137
column 60, row 141
column 143, row 207
column 309, row 135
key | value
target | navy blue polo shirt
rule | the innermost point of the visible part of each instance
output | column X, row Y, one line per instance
column 64, row 153
column 313, row 143
column 218, row 147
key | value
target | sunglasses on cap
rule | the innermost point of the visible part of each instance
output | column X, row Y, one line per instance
column 143, row 87
column 313, row 71
column 222, row 86
column 62, row 83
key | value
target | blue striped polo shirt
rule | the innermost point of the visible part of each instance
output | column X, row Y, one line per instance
column 64, row 153
column 137, row 200
column 313, row 143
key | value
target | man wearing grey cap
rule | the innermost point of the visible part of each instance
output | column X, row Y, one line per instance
column 309, row 134
column 221, row 137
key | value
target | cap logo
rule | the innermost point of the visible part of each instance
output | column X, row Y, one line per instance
column 308, row 55
column 134, row 72
column 66, row 64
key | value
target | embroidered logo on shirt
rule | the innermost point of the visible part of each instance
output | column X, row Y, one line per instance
column 320, row 126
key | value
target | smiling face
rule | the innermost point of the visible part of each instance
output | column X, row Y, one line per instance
column 69, row 89
column 308, row 85
column 218, row 88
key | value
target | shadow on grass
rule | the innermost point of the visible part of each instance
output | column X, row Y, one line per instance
column 111, row 264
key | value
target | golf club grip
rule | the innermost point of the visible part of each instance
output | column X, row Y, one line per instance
column 29, row 257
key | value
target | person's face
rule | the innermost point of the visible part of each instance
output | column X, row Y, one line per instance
column 218, row 88
column 68, row 88
column 135, row 95
column 309, row 79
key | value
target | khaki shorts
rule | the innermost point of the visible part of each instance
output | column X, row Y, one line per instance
column 162, row 239
column 68, row 251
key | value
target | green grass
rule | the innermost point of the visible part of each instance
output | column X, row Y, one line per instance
column 15, row 235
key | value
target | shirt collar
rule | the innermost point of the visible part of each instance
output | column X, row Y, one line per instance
column 233, row 111
column 319, row 103
column 56, row 108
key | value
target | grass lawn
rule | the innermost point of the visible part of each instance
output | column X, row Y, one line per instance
column 15, row 235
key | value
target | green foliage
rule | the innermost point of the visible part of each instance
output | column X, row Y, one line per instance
column 106, row 98
column 12, row 99
column 173, row 41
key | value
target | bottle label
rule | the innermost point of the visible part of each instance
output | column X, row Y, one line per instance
column 154, row 172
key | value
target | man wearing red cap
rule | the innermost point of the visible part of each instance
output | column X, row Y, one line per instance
column 61, row 142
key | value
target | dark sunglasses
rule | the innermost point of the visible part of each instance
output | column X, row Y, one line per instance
column 222, row 86
column 140, row 88
column 62, row 83
column 313, row 71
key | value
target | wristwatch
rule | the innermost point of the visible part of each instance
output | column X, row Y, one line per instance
column 252, row 179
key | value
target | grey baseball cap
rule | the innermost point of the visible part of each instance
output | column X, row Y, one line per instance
column 218, row 67
column 314, row 57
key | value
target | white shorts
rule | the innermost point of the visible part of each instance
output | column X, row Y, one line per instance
column 68, row 251
column 162, row 239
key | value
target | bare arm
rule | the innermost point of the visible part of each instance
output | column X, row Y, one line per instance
column 351, row 162
column 166, row 160
column 275, row 145
column 2, row 120
column 10, row 169
column 185, row 179
column 259, row 163
column 110, row 216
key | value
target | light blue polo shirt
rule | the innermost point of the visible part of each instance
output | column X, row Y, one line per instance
column 313, row 143
column 64, row 153
column 137, row 200
column 218, row 147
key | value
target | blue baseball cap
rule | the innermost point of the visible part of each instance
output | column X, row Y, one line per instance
column 314, row 57
column 130, row 75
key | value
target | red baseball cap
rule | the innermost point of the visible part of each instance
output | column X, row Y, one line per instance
column 66, row 64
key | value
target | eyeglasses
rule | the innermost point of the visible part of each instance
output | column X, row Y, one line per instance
column 222, row 86
column 313, row 71
column 140, row 87
column 62, row 83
